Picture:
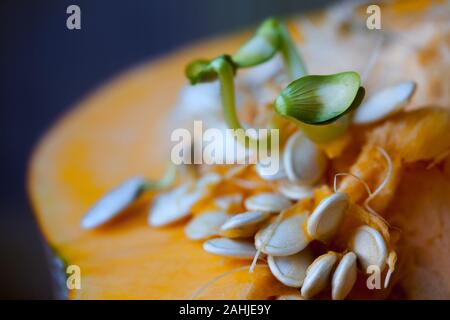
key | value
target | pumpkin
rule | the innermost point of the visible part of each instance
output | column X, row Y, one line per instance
column 119, row 131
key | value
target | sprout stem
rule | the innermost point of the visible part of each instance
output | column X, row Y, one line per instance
column 225, row 72
column 271, row 37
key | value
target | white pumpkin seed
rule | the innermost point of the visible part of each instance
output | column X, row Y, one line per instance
column 230, row 248
column 265, row 171
column 205, row 225
column 303, row 161
column 267, row 202
column 244, row 224
column 287, row 238
column 294, row 191
column 324, row 222
column 266, row 238
column 318, row 274
column 208, row 180
column 113, row 203
column 173, row 205
column 228, row 202
column 291, row 270
column 385, row 102
column 344, row 277
column 176, row 204
column 248, row 184
column 369, row 246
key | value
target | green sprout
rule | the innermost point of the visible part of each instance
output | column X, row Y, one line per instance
column 318, row 104
column 270, row 38
column 261, row 47
column 225, row 72
column 223, row 69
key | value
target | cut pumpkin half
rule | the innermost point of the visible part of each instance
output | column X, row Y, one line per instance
column 120, row 131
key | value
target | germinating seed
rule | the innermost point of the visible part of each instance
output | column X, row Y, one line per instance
column 344, row 277
column 205, row 225
column 303, row 161
column 384, row 102
column 291, row 270
column 230, row 248
column 326, row 218
column 244, row 224
column 267, row 202
column 113, row 203
column 318, row 274
column 369, row 246
column 287, row 238
column 294, row 191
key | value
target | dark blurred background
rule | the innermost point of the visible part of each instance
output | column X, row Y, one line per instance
column 45, row 68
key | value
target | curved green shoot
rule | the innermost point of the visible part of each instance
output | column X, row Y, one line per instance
column 291, row 56
column 271, row 37
column 225, row 73
column 223, row 69
column 200, row 71
column 261, row 47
